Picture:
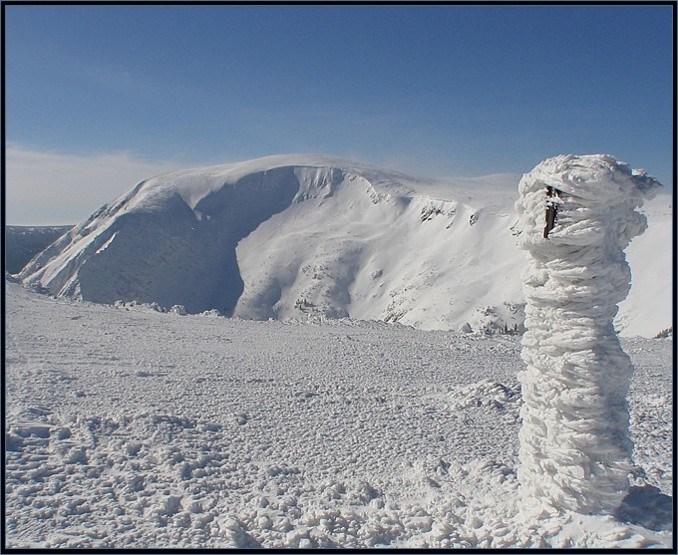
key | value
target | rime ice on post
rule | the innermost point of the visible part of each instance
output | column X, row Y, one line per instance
column 578, row 214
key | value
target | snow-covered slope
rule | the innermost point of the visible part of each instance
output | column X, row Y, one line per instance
column 309, row 237
column 651, row 258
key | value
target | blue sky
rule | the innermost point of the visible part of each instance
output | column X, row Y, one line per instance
column 431, row 90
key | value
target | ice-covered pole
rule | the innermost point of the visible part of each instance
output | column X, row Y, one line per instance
column 578, row 214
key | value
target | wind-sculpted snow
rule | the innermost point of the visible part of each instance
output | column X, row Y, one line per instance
column 131, row 428
column 575, row 448
column 308, row 237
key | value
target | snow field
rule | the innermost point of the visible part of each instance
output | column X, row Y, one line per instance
column 127, row 427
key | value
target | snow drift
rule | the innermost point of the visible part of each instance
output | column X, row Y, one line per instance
column 311, row 237
column 578, row 214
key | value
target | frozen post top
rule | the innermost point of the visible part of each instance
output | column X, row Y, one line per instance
column 578, row 214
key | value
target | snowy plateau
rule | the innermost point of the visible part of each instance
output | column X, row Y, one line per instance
column 131, row 428
column 359, row 398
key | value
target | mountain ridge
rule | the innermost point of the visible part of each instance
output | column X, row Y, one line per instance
column 304, row 237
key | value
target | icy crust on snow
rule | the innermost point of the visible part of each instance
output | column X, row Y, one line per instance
column 575, row 450
column 131, row 428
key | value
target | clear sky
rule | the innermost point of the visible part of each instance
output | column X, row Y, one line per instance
column 124, row 92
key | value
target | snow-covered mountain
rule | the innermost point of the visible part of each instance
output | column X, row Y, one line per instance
column 308, row 237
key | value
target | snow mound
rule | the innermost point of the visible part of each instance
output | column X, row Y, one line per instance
column 309, row 238
column 486, row 393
